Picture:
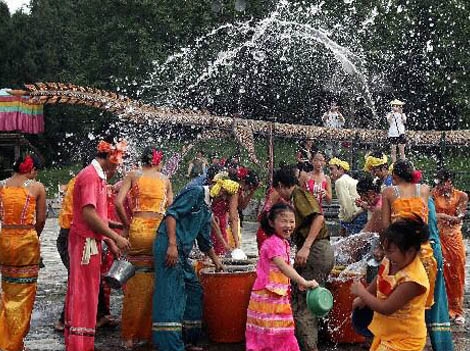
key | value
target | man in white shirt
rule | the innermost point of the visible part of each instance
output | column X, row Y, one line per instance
column 396, row 132
column 352, row 218
column 335, row 120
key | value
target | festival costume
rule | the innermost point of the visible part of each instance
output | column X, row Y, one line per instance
column 315, row 190
column 177, row 298
column 220, row 208
column 404, row 208
column 65, row 221
column 319, row 265
column 404, row 329
column 437, row 318
column 269, row 318
column 85, row 260
column 351, row 217
column 453, row 250
column 149, row 195
column 19, row 261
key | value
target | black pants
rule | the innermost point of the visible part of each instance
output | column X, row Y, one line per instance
column 62, row 247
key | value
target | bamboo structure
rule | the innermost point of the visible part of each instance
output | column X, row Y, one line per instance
column 243, row 130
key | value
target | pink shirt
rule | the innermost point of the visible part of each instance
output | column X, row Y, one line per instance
column 90, row 189
column 268, row 275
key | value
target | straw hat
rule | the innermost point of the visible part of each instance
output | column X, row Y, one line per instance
column 396, row 102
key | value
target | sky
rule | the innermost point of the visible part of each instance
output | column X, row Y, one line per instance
column 15, row 4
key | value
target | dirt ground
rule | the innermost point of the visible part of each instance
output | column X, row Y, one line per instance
column 52, row 285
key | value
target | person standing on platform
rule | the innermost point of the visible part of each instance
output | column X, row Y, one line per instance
column 89, row 228
column 396, row 132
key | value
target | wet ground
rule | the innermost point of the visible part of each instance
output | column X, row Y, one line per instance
column 52, row 285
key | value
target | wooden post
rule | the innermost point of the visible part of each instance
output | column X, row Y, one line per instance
column 270, row 155
column 442, row 150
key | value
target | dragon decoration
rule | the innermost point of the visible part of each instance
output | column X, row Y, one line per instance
column 243, row 130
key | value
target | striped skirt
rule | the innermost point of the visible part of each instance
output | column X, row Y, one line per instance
column 270, row 322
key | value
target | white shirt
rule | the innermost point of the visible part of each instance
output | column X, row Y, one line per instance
column 396, row 121
column 333, row 120
column 345, row 188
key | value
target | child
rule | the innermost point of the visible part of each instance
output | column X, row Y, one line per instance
column 398, row 294
column 270, row 322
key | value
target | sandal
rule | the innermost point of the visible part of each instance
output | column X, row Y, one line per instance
column 459, row 320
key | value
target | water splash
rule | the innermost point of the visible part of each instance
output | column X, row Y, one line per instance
column 249, row 60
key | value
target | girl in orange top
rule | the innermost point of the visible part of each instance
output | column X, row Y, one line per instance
column 22, row 216
column 408, row 198
column 150, row 194
column 451, row 205
column 399, row 292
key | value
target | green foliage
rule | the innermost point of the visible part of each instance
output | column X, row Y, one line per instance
column 419, row 50
column 53, row 177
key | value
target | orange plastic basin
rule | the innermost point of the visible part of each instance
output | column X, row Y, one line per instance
column 226, row 298
column 339, row 328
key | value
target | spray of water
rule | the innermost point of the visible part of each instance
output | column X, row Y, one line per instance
column 237, row 61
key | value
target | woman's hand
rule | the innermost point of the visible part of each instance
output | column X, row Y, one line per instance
column 302, row 256
column 171, row 255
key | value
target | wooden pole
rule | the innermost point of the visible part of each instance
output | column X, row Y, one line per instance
column 270, row 155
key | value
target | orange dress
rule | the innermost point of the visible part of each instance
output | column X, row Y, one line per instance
column 453, row 251
column 404, row 329
column 19, row 262
column 403, row 208
column 148, row 195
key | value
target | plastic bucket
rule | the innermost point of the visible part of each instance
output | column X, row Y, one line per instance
column 119, row 273
column 319, row 301
column 226, row 298
column 339, row 325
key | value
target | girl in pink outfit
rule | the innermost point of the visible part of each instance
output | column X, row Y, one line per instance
column 270, row 323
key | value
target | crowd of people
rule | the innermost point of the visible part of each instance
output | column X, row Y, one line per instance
column 418, row 290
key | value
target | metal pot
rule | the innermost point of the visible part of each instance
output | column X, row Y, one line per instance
column 119, row 273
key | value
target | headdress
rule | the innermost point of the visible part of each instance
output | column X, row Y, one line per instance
column 157, row 157
column 230, row 186
column 339, row 163
column 372, row 162
column 27, row 165
column 115, row 151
